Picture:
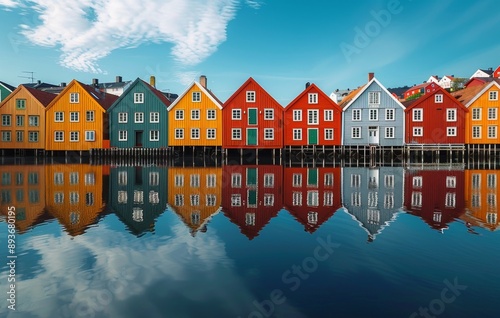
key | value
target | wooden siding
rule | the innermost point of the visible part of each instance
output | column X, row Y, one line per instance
column 263, row 100
column 186, row 104
column 324, row 102
column 483, row 103
column 4, row 92
column 482, row 191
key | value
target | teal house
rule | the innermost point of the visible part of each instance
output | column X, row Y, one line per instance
column 139, row 117
column 5, row 90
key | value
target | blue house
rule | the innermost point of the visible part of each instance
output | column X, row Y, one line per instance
column 372, row 116
column 5, row 90
column 139, row 118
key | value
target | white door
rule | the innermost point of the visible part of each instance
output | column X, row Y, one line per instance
column 373, row 137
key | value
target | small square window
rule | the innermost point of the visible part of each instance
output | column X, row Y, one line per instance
column 74, row 117
column 211, row 133
column 179, row 133
column 418, row 131
column 138, row 117
column 268, row 114
column 211, row 114
column 138, row 98
column 236, row 114
column 122, row 118
column 74, row 136
column 251, row 96
column 59, row 136
column 195, row 133
column 328, row 134
column 59, row 117
column 179, row 114
column 493, row 95
column 20, row 104
column 236, row 134
column 451, row 131
column 154, row 117
column 312, row 98
column 89, row 135
column 268, row 134
column 196, row 97
column 74, row 98
column 438, row 98
column 195, row 114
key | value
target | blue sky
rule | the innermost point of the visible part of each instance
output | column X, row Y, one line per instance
column 282, row 44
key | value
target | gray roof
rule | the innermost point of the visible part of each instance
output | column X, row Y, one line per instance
column 9, row 87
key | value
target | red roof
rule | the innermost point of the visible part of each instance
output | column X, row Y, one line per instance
column 43, row 97
column 158, row 94
column 104, row 99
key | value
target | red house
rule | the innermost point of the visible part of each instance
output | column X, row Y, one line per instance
column 312, row 195
column 313, row 119
column 252, row 119
column 253, row 195
column 496, row 73
column 435, row 118
column 437, row 196
column 422, row 89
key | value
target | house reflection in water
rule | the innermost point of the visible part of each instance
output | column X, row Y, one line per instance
column 195, row 195
column 138, row 195
column 312, row 195
column 253, row 195
column 373, row 196
column 437, row 196
column 481, row 192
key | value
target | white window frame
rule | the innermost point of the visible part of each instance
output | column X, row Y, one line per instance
column 250, row 96
column 492, row 132
column 476, row 113
column 138, row 98
column 418, row 131
column 154, row 135
column 74, row 98
column 211, row 114
column 234, row 134
column 373, row 98
column 297, row 115
column 438, row 98
column 179, row 114
column 59, row 114
column 90, row 135
column 236, row 114
column 196, row 97
column 313, row 117
column 476, row 132
column 312, row 98
column 492, row 113
column 451, row 131
column 195, row 114
column 328, row 115
column 122, row 135
column 74, row 136
column 417, row 112
column 89, row 115
column 356, row 135
column 493, row 95
column 390, row 132
column 138, row 117
column 390, row 114
column 74, row 117
column 122, row 118
column 268, row 114
column 211, row 133
column 373, row 114
column 154, row 117
column 179, row 133
column 328, row 133
column 451, row 115
column 356, row 115
column 297, row 134
column 59, row 136
column 195, row 133
column 268, row 133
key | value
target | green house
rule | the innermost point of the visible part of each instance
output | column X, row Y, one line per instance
column 5, row 90
column 139, row 118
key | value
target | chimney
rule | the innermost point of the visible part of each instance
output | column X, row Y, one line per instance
column 39, row 82
column 63, row 84
column 95, row 82
column 308, row 84
column 118, row 79
column 490, row 69
column 152, row 81
column 370, row 76
column 203, row 81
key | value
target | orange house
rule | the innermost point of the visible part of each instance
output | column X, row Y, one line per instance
column 481, row 193
column 23, row 118
column 77, row 120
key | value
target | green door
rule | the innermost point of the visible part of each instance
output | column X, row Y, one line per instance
column 251, row 136
column 252, row 116
column 252, row 198
column 251, row 176
column 312, row 136
column 312, row 177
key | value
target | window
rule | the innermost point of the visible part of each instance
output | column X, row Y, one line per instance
column 355, row 180
column 389, row 181
column 372, row 199
column 492, row 131
column 90, row 135
column 373, row 114
column 328, row 179
column 356, row 199
column 6, row 136
column 418, row 114
column 297, row 199
column 451, row 115
column 491, row 218
column 236, row 134
column 179, row 200
column 476, row 181
column 58, row 178
column 179, row 114
column 74, row 177
column 312, row 116
column 236, row 114
column 389, row 114
column 328, row 133
column 268, row 114
column 59, row 117
column 235, row 199
column 154, row 135
column 6, row 120
column 89, row 115
column 194, row 180
column 122, row 135
column 211, row 133
column 33, row 136
column 328, row 115
column 451, row 182
column 373, row 98
column 20, row 104
column 493, row 95
column 196, row 97
column 74, row 98
column 138, row 117
column 211, row 180
column 211, row 200
column 416, row 199
column 356, row 115
column 138, row 98
column 417, row 182
column 59, row 136
column 297, row 115
column 451, row 131
column 450, row 200
column 437, row 216
column 327, row 198
column 297, row 134
column 356, row 132
column 312, row 217
column 297, row 180
column 179, row 133
column 194, row 199
column 58, row 197
column 236, row 180
column 250, row 96
column 491, row 200
column 268, row 180
column 211, row 114
column 33, row 121
column 195, row 114
column 74, row 117
column 312, row 198
column 74, row 136
column 90, row 178
column 492, row 113
column 492, row 181
column 195, row 133
column 313, row 98
column 418, row 131
column 179, row 180
column 389, row 132
column 476, row 200
column 476, row 132
column 268, row 199
column 89, row 199
column 389, row 200
column 438, row 98
column 154, row 117
column 33, row 178
column 122, row 118
column 19, row 120
column 269, row 134
column 19, row 136
column 476, row 113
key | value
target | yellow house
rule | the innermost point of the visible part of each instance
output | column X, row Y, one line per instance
column 195, row 118
column 194, row 194
column 481, row 194
column 76, row 119
column 23, row 118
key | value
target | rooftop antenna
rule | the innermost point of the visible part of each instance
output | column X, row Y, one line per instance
column 32, row 78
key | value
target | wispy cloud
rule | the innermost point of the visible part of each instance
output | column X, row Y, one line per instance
column 254, row 4
column 89, row 30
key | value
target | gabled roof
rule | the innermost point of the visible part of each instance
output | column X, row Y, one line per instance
column 488, row 71
column 153, row 90
column 242, row 87
column 423, row 85
column 40, row 85
column 307, row 90
column 364, row 88
column 412, row 103
column 469, row 95
column 482, row 79
column 349, row 97
column 43, row 97
column 205, row 91
column 7, row 86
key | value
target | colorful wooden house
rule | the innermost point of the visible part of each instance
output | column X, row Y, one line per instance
column 253, row 195
column 312, row 119
column 139, row 117
column 372, row 116
column 312, row 195
column 420, row 89
column 373, row 197
column 195, row 118
column 481, row 192
column 435, row 118
column 76, row 120
column 482, row 120
column 195, row 195
column 252, row 119
column 5, row 90
column 436, row 196
column 138, row 196
column 23, row 119
column 74, row 195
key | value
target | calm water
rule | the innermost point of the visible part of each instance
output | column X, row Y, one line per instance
column 251, row 241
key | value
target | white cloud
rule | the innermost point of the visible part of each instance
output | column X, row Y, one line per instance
column 89, row 30
column 253, row 4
